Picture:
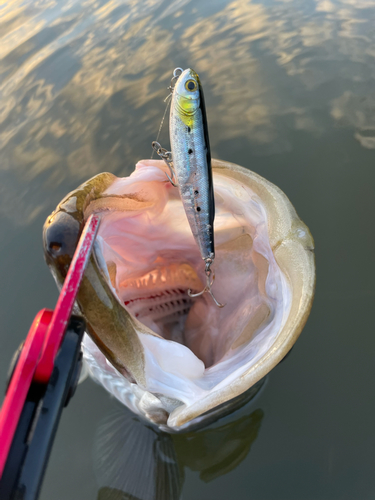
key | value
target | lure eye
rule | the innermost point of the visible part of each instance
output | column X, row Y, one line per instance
column 191, row 85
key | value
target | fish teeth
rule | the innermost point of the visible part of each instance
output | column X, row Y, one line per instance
column 159, row 276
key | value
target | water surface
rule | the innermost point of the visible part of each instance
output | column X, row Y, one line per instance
column 290, row 94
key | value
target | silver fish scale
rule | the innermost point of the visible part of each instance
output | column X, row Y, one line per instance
column 192, row 175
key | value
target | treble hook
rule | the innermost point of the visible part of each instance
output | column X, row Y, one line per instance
column 209, row 283
column 167, row 157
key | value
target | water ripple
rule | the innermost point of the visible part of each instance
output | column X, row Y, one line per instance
column 82, row 83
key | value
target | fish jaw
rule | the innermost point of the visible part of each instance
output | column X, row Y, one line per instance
column 174, row 366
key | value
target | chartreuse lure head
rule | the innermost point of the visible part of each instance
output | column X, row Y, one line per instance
column 187, row 94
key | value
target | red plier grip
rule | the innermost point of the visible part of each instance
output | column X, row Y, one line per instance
column 37, row 358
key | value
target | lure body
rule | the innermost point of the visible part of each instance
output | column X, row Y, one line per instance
column 192, row 159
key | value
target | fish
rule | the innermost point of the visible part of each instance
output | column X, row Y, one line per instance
column 176, row 361
column 191, row 157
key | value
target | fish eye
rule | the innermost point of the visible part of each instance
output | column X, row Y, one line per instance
column 54, row 246
column 191, row 85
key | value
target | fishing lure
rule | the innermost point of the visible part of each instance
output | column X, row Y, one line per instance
column 189, row 163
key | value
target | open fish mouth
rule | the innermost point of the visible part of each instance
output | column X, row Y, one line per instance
column 153, row 260
column 182, row 357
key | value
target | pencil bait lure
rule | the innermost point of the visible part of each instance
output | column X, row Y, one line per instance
column 189, row 162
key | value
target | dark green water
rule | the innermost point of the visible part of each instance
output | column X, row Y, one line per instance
column 290, row 94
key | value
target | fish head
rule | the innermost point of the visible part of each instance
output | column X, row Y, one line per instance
column 187, row 93
column 174, row 359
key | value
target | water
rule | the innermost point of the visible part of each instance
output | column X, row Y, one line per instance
column 290, row 94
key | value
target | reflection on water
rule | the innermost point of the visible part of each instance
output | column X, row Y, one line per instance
column 136, row 461
column 289, row 88
column 82, row 83
column 217, row 451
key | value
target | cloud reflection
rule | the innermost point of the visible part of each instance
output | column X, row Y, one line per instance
column 357, row 111
column 82, row 83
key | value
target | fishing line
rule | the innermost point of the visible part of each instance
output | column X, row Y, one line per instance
column 162, row 120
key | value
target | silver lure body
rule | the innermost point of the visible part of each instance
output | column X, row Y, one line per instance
column 192, row 159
